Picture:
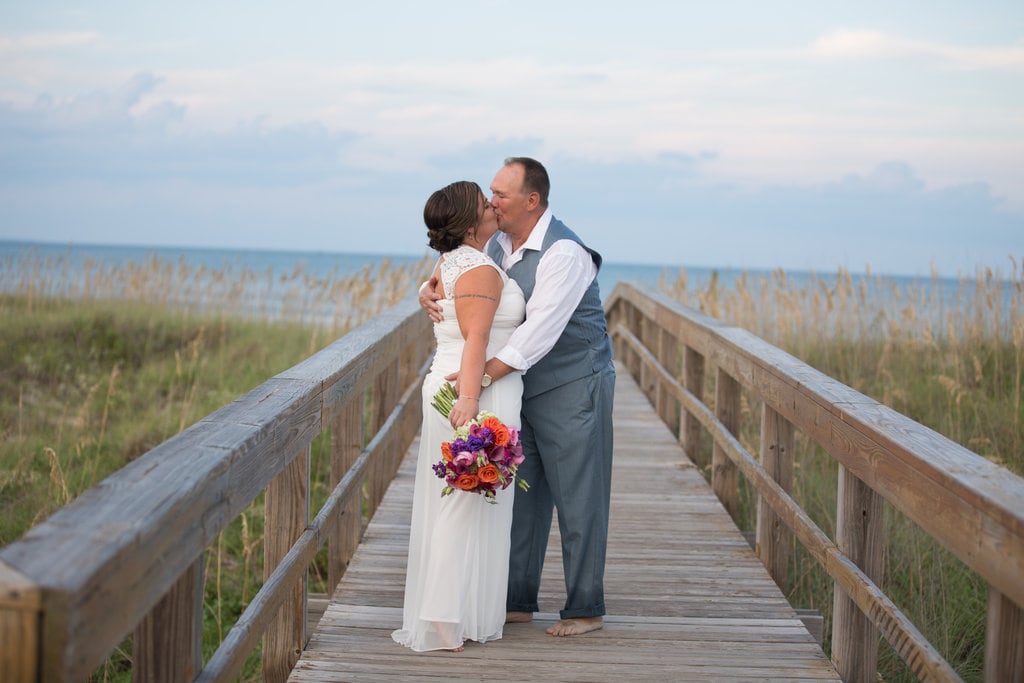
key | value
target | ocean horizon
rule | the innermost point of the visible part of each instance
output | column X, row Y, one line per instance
column 324, row 263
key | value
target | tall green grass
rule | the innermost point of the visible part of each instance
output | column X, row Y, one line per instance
column 953, row 363
column 101, row 364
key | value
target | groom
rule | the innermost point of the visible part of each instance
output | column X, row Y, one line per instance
column 564, row 349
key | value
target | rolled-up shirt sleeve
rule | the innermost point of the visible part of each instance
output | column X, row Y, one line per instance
column 563, row 275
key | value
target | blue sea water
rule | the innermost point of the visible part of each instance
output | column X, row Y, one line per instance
column 282, row 262
column 277, row 265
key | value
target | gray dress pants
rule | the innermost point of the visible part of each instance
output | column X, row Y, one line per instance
column 567, row 441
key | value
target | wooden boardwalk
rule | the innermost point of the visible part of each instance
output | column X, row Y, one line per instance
column 687, row 598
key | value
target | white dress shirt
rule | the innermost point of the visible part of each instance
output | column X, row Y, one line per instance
column 563, row 274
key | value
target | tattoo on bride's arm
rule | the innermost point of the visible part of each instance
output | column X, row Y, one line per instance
column 475, row 296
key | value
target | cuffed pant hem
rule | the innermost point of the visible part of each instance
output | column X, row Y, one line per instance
column 521, row 607
column 583, row 613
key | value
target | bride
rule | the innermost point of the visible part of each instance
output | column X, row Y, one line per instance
column 455, row 587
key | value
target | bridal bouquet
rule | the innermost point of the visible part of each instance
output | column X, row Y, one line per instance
column 483, row 454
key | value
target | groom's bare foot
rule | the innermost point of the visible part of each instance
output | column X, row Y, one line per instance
column 575, row 627
column 518, row 617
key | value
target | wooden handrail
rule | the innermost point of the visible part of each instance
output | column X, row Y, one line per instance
column 971, row 505
column 98, row 566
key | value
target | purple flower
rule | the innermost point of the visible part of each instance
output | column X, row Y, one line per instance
column 487, row 434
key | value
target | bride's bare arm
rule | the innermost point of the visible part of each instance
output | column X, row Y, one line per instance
column 476, row 296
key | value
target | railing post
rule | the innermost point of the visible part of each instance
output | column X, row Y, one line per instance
column 386, row 391
column 286, row 518
column 346, row 445
column 773, row 538
column 859, row 536
column 1004, row 639
column 725, row 480
column 668, row 356
column 168, row 643
column 630, row 318
column 693, row 380
column 648, row 379
column 20, row 605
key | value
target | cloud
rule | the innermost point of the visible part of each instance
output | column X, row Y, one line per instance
column 657, row 166
column 42, row 42
column 106, row 136
column 871, row 44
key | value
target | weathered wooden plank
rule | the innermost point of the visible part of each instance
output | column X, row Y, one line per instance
column 773, row 538
column 1004, row 640
column 859, row 535
column 724, row 475
column 285, row 519
column 346, row 445
column 691, row 431
column 167, row 645
column 20, row 603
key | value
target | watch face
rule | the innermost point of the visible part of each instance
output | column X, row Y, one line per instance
column 485, row 381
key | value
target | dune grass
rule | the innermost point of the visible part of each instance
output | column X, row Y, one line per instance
column 949, row 358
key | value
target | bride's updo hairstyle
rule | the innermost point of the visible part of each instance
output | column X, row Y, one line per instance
column 449, row 214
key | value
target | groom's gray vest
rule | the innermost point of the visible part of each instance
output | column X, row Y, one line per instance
column 584, row 347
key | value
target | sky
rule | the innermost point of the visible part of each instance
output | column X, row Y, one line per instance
column 804, row 135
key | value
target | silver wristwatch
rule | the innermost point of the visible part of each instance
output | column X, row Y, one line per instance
column 486, row 380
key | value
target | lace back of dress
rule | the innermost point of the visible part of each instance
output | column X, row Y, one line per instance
column 457, row 262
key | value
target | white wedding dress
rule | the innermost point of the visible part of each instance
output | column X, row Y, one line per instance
column 457, row 576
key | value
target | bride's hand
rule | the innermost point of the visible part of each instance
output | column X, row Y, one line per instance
column 429, row 299
column 464, row 410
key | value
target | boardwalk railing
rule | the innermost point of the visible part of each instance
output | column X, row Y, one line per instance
column 972, row 506
column 126, row 557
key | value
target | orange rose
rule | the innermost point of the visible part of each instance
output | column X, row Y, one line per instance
column 467, row 482
column 501, row 435
column 446, row 451
column 488, row 474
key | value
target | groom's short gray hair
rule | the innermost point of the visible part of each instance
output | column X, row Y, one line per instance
column 535, row 177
